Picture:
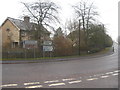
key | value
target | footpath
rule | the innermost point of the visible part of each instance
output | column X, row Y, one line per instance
column 95, row 55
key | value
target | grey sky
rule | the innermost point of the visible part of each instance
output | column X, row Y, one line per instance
column 108, row 10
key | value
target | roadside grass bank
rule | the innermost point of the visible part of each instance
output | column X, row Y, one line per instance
column 62, row 57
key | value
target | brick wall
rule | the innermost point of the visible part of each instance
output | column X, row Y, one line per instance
column 10, row 33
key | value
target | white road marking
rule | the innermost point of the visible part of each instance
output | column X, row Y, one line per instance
column 56, row 84
column 38, row 86
column 92, row 79
column 109, row 72
column 31, row 83
column 99, row 74
column 104, row 76
column 90, row 76
column 51, row 81
column 95, row 75
column 8, row 85
column 68, row 79
column 78, row 81
column 116, row 71
column 115, row 74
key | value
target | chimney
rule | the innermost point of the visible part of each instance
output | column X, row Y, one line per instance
column 26, row 19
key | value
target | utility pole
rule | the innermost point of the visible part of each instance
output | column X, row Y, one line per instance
column 104, row 35
column 79, row 37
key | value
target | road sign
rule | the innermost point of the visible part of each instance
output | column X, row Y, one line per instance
column 29, row 44
column 47, row 43
column 47, row 48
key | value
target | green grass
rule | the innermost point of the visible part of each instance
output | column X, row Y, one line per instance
column 101, row 52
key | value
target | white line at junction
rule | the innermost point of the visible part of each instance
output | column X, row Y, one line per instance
column 92, row 79
column 56, row 84
column 31, row 83
column 78, row 81
column 104, row 76
column 37, row 86
column 116, row 71
column 68, row 79
column 115, row 74
column 8, row 85
column 109, row 72
column 51, row 81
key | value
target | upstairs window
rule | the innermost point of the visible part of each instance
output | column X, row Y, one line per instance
column 23, row 34
column 8, row 29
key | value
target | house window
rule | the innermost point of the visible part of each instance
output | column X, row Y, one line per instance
column 8, row 29
column 14, row 44
column 23, row 34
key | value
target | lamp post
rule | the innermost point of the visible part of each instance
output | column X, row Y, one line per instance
column 79, row 37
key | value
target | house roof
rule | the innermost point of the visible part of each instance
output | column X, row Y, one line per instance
column 22, row 25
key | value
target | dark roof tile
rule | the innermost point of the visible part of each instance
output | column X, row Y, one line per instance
column 26, row 26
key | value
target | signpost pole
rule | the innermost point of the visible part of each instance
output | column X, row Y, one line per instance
column 43, row 53
column 47, row 47
column 25, row 53
column 50, row 54
column 34, row 52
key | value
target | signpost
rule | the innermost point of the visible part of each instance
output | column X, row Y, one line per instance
column 30, row 44
column 47, row 47
column 48, row 43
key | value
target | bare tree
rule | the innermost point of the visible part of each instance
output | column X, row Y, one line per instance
column 72, row 25
column 43, row 13
column 86, row 12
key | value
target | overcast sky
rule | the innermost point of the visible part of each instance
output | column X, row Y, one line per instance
column 107, row 9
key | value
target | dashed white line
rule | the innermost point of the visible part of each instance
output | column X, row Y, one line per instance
column 95, row 75
column 116, row 71
column 115, row 74
column 8, row 85
column 90, row 76
column 68, row 79
column 104, row 76
column 109, row 72
column 51, row 81
column 37, row 86
column 99, row 74
column 92, row 79
column 31, row 83
column 56, row 84
column 78, row 81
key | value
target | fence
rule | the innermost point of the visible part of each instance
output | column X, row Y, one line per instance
column 21, row 53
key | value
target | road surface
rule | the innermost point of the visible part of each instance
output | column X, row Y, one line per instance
column 92, row 72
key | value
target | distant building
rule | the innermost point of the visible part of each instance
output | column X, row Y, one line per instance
column 15, row 31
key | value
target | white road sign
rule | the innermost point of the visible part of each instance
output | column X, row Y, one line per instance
column 47, row 48
column 30, row 44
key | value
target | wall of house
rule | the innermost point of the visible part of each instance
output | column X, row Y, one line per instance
column 24, row 35
column 10, row 33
